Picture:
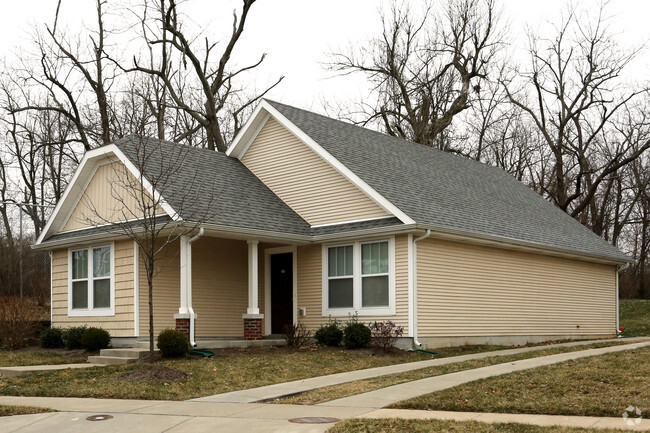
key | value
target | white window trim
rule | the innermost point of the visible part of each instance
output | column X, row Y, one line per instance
column 91, row 312
column 356, row 281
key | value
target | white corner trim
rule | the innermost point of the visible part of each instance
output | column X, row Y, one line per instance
column 82, row 175
column 411, row 274
column 243, row 140
column 357, row 279
column 136, row 290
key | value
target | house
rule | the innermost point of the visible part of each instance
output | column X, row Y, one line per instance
column 311, row 218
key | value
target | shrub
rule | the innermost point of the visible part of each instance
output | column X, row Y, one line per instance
column 51, row 338
column 356, row 335
column 19, row 321
column 329, row 334
column 95, row 339
column 72, row 337
column 385, row 334
column 296, row 335
column 173, row 343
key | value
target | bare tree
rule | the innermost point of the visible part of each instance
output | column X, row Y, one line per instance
column 424, row 71
column 138, row 212
column 222, row 101
column 572, row 94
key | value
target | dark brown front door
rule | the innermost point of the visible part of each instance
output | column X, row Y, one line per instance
column 281, row 292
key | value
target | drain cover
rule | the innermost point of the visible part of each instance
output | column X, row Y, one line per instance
column 314, row 420
column 99, row 417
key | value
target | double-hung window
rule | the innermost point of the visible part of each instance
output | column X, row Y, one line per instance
column 359, row 277
column 91, row 291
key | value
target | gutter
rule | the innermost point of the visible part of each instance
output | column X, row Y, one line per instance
column 189, row 286
column 415, row 286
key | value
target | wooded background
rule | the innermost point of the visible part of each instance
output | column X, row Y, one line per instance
column 567, row 118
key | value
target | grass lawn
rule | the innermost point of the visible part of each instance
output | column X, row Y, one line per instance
column 237, row 370
column 321, row 395
column 603, row 385
column 21, row 410
column 36, row 356
column 635, row 317
column 433, row 426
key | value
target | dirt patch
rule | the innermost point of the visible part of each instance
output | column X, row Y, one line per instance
column 154, row 373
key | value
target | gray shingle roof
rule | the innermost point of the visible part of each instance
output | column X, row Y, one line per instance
column 203, row 185
column 448, row 191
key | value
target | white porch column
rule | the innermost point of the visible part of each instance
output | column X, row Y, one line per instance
column 185, row 276
column 253, row 272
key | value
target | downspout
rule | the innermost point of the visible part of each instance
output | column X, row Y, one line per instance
column 619, row 268
column 415, row 286
column 189, row 285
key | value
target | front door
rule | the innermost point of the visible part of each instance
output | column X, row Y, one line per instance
column 281, row 292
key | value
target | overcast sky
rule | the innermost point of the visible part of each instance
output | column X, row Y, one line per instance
column 297, row 34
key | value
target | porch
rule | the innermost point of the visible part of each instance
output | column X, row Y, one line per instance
column 221, row 292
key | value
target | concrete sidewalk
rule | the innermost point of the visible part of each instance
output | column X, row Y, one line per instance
column 199, row 417
column 209, row 416
column 29, row 369
column 393, row 394
column 271, row 392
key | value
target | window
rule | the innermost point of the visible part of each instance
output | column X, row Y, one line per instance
column 340, row 275
column 91, row 281
column 357, row 278
column 374, row 274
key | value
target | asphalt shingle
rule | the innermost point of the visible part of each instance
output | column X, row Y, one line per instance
column 448, row 191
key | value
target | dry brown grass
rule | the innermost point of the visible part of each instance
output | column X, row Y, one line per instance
column 329, row 393
column 603, row 385
column 22, row 410
column 432, row 426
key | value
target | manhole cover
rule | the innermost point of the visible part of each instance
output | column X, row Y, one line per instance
column 314, row 420
column 99, row 417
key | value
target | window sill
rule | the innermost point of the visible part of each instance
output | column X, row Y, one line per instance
column 346, row 312
column 91, row 313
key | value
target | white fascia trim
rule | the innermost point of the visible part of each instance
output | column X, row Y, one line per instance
column 352, row 221
column 244, row 139
column 514, row 244
column 92, row 156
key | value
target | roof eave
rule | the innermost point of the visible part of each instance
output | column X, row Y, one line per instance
column 516, row 244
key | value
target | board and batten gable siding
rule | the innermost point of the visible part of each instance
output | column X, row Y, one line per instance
column 310, row 286
column 469, row 290
column 120, row 325
column 106, row 198
column 305, row 181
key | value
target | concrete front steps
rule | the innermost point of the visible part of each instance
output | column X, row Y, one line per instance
column 119, row 356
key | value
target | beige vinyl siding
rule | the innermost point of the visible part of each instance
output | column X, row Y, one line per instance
column 219, row 288
column 120, row 325
column 111, row 195
column 310, row 286
column 470, row 290
column 166, row 291
column 303, row 180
